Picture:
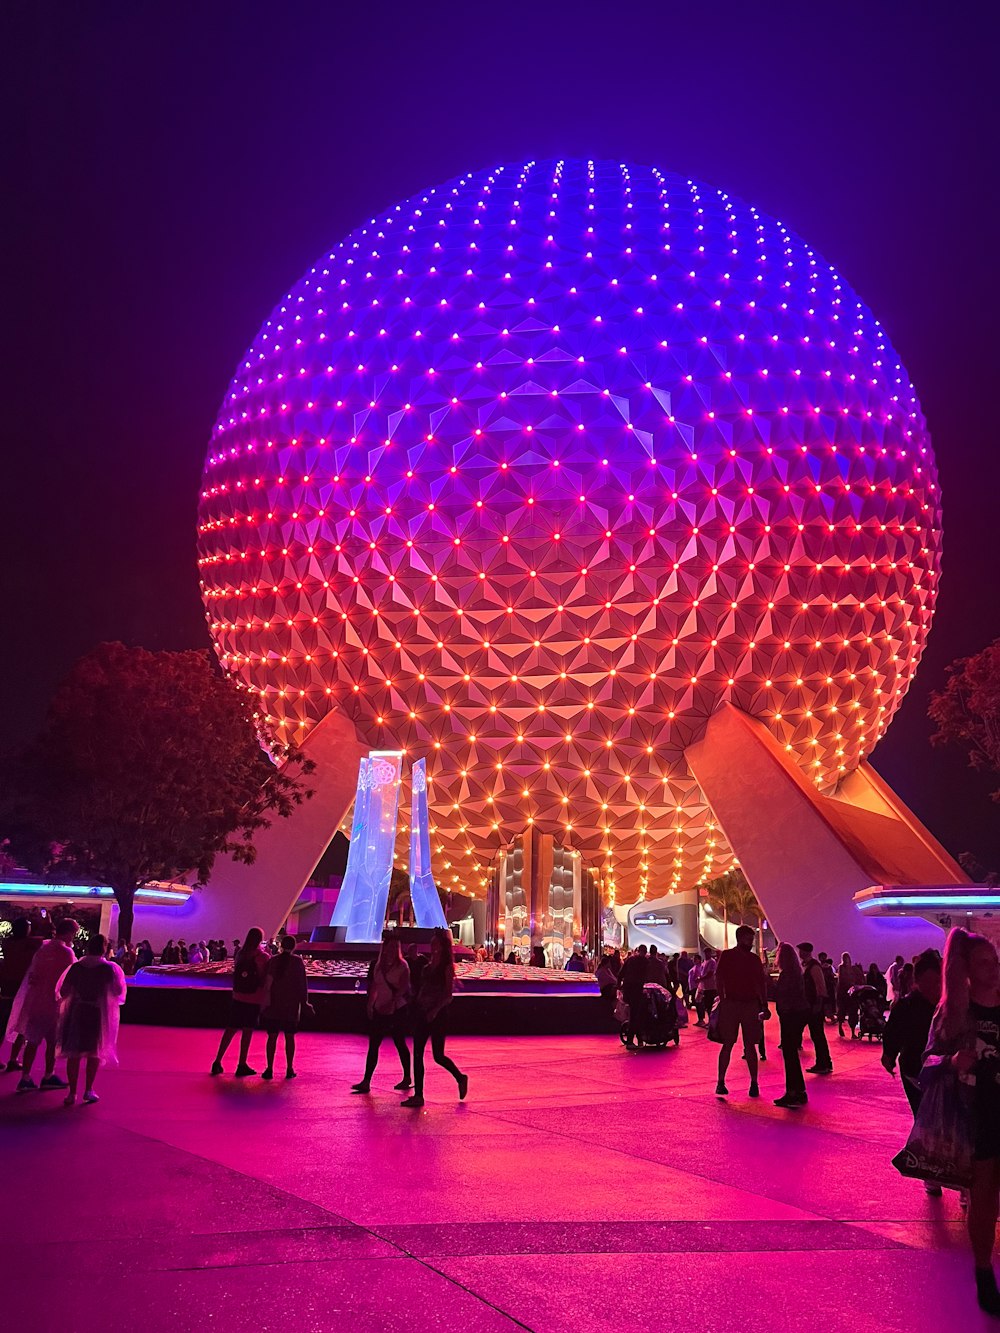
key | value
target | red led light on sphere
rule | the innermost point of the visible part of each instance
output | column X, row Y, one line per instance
column 531, row 473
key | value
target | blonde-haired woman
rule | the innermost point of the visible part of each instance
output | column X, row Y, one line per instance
column 966, row 1033
column 793, row 1014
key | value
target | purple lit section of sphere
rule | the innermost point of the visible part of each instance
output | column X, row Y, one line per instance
column 534, row 471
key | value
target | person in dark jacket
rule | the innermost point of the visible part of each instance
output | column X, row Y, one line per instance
column 433, row 990
column 19, row 948
column 286, row 1003
column 793, row 1014
column 630, row 983
column 907, row 1031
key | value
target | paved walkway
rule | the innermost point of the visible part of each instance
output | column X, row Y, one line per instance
column 578, row 1188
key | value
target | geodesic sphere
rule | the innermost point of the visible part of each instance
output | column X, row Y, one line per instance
column 534, row 471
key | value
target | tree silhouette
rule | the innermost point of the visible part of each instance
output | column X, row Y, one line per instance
column 148, row 766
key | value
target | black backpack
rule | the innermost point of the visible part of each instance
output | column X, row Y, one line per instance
column 245, row 975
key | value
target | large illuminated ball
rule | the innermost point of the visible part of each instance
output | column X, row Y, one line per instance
column 535, row 470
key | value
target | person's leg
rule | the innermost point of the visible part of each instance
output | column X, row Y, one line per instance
column 817, row 1035
column 445, row 1061
column 224, row 1043
column 13, row 1062
column 750, row 1034
column 403, row 1051
column 290, row 1054
column 30, row 1050
column 50, row 1056
column 420, row 1035
column 371, row 1061
column 73, row 1074
column 93, row 1065
column 982, row 1224
column 270, row 1046
column 246, row 1036
column 725, row 1051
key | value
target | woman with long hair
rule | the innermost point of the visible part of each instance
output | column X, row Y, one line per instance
column 965, row 1033
column 793, row 1014
column 388, row 994
column 287, row 1002
column 249, row 993
column 434, row 992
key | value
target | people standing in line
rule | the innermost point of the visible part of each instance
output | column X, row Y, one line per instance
column 707, row 987
column 433, row 989
column 144, row 955
column 965, row 1031
column 19, row 949
column 195, row 954
column 285, row 1006
column 845, row 980
column 171, row 955
column 793, row 1013
column 92, row 992
column 35, row 1013
column 907, row 1030
column 631, row 982
column 574, row 963
column 742, row 988
column 249, row 993
column 815, row 987
column 388, row 995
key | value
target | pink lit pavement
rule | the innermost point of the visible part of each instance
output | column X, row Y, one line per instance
column 578, row 1188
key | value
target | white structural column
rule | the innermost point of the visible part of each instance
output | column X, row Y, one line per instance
column 806, row 855
column 240, row 896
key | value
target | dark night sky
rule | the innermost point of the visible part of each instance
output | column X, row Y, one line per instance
column 174, row 168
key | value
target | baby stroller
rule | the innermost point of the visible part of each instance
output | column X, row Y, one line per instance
column 657, row 1023
column 866, row 1004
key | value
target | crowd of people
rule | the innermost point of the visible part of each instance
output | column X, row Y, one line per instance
column 938, row 1021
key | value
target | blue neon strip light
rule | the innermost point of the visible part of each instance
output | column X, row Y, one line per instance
column 942, row 901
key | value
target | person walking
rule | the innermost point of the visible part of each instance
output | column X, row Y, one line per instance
column 35, row 1012
column 793, row 1012
column 286, row 1003
column 694, row 985
column 249, row 993
column 432, row 996
column 19, row 948
column 631, row 982
column 815, row 986
column 707, row 987
column 684, row 965
column 907, row 1031
column 742, row 987
column 388, row 994
column 893, row 976
column 965, row 1033
column 92, row 991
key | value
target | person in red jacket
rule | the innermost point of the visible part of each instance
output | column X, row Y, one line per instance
column 742, row 987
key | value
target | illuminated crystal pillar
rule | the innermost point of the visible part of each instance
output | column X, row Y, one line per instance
column 427, row 908
column 355, row 855
column 369, row 861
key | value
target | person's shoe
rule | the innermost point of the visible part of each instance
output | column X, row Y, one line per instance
column 69, row 1100
column 361, row 1087
column 403, row 1085
column 412, row 1101
column 721, row 1090
column 26, row 1084
column 290, row 1073
column 754, row 1090
column 790, row 1100
column 217, row 1068
column 820, row 1069
column 89, row 1098
column 53, row 1081
column 762, row 1057
column 986, row 1291
column 12, row 1066
column 268, row 1073
column 932, row 1189
column 463, row 1086
column 244, row 1071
